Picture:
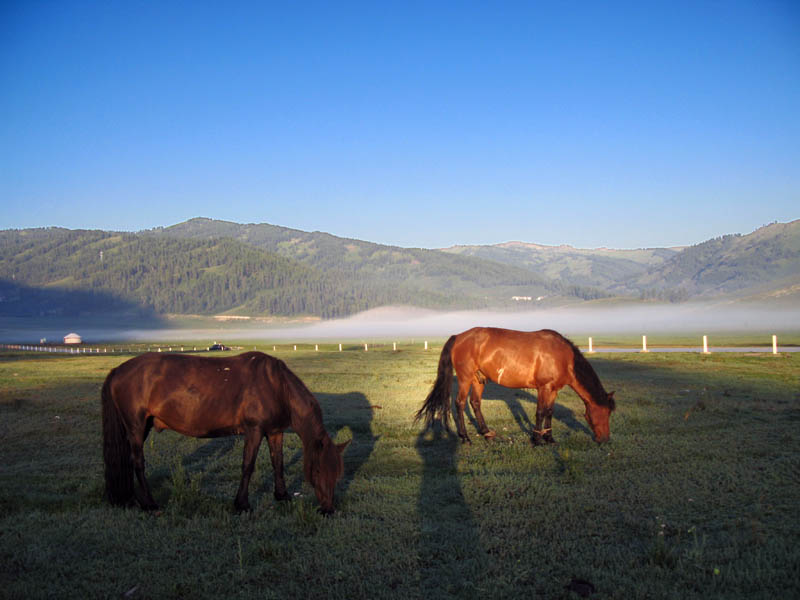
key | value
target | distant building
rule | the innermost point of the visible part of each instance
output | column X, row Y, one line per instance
column 522, row 298
column 72, row 338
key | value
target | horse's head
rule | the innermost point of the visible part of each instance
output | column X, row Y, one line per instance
column 598, row 415
column 325, row 469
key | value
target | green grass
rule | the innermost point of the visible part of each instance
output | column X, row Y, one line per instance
column 696, row 495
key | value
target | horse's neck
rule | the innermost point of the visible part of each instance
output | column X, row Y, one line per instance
column 306, row 419
column 582, row 391
column 585, row 381
column 310, row 433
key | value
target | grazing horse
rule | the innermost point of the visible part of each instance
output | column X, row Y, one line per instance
column 252, row 394
column 544, row 360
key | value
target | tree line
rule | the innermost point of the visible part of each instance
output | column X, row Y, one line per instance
column 188, row 276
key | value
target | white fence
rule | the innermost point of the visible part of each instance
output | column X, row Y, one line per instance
column 704, row 348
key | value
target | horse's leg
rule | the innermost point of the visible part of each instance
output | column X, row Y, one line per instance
column 475, row 402
column 136, row 438
column 275, row 441
column 252, row 441
column 548, row 418
column 461, row 403
column 542, row 433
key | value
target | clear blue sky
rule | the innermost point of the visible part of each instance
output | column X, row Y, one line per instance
column 619, row 124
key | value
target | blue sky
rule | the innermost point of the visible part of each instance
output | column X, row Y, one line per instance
column 618, row 124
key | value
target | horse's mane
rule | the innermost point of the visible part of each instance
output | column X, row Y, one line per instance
column 587, row 377
column 311, row 430
column 294, row 390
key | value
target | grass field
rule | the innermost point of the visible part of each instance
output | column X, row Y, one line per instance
column 696, row 494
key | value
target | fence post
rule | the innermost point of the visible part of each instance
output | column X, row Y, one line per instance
column 340, row 347
column 774, row 344
column 644, row 344
column 365, row 347
column 394, row 346
column 705, row 345
column 426, row 344
column 591, row 349
column 316, row 347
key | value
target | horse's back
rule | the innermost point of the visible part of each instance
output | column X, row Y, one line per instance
column 163, row 363
column 197, row 396
column 514, row 358
column 488, row 338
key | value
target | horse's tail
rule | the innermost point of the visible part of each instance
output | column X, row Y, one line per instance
column 116, row 450
column 437, row 405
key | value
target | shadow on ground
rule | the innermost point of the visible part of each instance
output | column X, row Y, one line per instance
column 522, row 403
column 452, row 560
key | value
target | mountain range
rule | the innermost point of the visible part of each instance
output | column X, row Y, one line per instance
column 764, row 261
column 209, row 267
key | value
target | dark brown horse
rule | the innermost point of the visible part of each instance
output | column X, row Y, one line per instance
column 251, row 394
column 544, row 360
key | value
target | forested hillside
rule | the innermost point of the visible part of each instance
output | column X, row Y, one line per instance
column 211, row 267
column 160, row 274
column 431, row 270
column 61, row 272
column 598, row 267
column 114, row 271
column 768, row 258
column 725, row 265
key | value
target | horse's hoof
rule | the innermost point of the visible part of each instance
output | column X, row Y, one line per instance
column 466, row 440
column 150, row 507
column 537, row 441
column 240, row 508
column 283, row 497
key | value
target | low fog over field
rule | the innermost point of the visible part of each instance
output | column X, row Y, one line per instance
column 625, row 319
column 407, row 323
column 404, row 322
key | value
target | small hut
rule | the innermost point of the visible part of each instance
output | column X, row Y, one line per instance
column 72, row 338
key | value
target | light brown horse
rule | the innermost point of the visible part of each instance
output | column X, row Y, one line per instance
column 252, row 394
column 544, row 360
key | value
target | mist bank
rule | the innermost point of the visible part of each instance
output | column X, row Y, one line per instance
column 405, row 323
column 622, row 319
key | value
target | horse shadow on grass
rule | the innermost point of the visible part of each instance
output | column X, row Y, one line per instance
column 340, row 411
column 354, row 412
column 515, row 400
column 350, row 411
column 452, row 560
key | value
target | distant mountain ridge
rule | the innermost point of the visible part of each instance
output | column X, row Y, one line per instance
column 215, row 267
column 395, row 266
column 205, row 266
column 600, row 267
column 730, row 264
column 766, row 259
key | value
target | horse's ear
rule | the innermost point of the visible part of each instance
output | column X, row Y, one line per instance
column 343, row 445
column 611, row 402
